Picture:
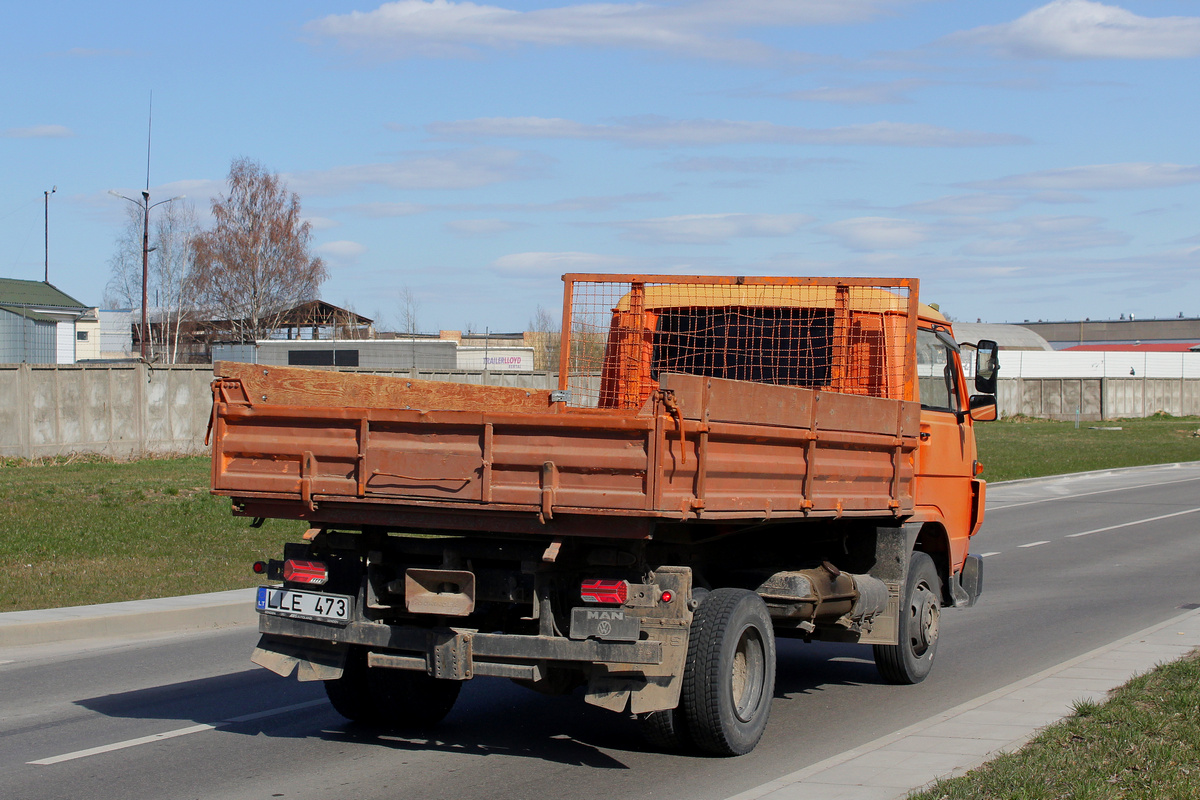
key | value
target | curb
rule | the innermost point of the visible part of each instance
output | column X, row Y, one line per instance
column 131, row 618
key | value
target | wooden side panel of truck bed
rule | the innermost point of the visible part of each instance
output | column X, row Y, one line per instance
column 306, row 443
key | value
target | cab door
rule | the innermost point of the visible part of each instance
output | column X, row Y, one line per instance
column 945, row 465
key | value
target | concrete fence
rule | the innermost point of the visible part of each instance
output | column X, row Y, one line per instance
column 133, row 410
column 1098, row 398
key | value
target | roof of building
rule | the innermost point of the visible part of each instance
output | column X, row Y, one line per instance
column 24, row 311
column 1147, row 347
column 1009, row 337
column 14, row 292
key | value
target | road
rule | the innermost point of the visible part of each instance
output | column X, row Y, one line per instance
column 1071, row 564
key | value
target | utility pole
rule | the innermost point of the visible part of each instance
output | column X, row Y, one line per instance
column 52, row 191
column 145, row 205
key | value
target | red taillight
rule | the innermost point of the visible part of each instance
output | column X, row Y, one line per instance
column 612, row 592
column 311, row 572
column 667, row 596
column 260, row 567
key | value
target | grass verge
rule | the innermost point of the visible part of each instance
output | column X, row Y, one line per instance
column 80, row 531
column 1022, row 448
column 1144, row 742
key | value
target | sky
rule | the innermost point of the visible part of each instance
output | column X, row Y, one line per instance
column 1025, row 160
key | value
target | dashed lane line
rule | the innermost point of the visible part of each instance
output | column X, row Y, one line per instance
column 158, row 737
column 1102, row 530
column 992, row 508
column 1135, row 522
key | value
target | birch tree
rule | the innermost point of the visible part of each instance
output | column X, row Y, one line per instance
column 255, row 263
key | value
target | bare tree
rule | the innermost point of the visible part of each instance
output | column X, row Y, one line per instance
column 545, row 339
column 175, row 231
column 170, row 265
column 124, row 288
column 255, row 263
column 409, row 306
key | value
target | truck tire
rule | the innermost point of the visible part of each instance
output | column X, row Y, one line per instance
column 729, row 676
column 911, row 660
column 665, row 730
column 389, row 698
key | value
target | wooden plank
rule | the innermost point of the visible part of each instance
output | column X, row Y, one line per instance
column 292, row 386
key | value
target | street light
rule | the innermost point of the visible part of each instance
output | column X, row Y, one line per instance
column 48, row 193
column 145, row 205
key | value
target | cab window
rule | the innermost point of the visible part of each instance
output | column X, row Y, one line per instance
column 936, row 372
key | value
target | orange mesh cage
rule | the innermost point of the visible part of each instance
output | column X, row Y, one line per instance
column 849, row 335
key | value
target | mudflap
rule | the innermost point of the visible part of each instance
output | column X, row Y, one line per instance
column 313, row 660
column 651, row 687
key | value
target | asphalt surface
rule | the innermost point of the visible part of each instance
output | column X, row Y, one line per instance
column 1073, row 564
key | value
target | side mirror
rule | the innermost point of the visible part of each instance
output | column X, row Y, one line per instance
column 983, row 408
column 987, row 365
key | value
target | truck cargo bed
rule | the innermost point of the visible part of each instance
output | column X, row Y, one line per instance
column 351, row 449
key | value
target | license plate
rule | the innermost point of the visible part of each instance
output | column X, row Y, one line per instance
column 307, row 605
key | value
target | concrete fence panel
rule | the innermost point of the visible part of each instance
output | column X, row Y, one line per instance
column 131, row 410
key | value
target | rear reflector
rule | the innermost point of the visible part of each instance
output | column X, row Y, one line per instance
column 611, row 592
column 310, row 572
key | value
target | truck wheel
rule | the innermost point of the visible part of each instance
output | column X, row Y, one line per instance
column 389, row 698
column 911, row 660
column 729, row 677
column 665, row 730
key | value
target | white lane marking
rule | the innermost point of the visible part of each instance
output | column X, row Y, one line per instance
column 6, row 661
column 992, row 553
column 158, row 737
column 1034, row 544
column 992, row 508
column 1130, row 524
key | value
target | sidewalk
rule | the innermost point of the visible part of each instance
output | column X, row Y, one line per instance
column 132, row 618
column 964, row 737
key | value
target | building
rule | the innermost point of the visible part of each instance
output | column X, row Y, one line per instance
column 41, row 324
column 1063, row 335
column 427, row 354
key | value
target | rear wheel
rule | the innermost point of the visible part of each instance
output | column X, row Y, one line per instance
column 665, row 730
column 911, row 660
column 389, row 698
column 729, row 677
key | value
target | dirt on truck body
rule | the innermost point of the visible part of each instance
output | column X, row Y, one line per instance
column 726, row 460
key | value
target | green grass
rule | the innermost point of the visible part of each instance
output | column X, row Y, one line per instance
column 79, row 531
column 1143, row 743
column 1033, row 448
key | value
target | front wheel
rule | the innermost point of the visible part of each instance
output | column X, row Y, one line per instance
column 729, row 677
column 911, row 660
column 389, row 698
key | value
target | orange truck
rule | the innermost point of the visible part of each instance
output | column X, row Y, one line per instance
column 727, row 460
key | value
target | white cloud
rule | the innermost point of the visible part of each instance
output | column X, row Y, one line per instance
column 1040, row 234
column 867, row 94
column 480, row 227
column 656, row 131
column 554, row 264
column 755, row 165
column 966, row 204
column 712, row 228
column 877, row 233
column 39, row 132
column 322, row 223
column 464, row 169
column 1081, row 29
column 385, row 210
column 1098, row 177
column 704, row 28
column 341, row 252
